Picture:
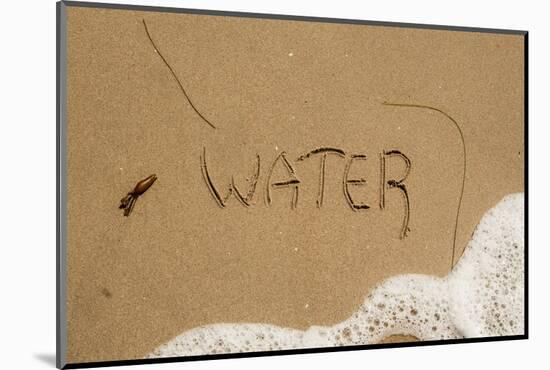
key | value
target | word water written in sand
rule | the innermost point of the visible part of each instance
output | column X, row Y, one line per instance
column 292, row 181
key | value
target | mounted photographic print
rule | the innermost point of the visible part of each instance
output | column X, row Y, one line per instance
column 235, row 184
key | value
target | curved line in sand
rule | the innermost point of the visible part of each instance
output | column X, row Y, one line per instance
column 463, row 160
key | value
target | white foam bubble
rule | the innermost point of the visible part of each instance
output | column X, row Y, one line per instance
column 482, row 296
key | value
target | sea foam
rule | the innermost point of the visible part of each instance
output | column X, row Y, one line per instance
column 483, row 296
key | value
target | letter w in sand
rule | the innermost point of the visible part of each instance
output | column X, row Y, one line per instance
column 222, row 200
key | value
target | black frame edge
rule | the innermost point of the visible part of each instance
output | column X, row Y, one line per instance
column 163, row 360
column 526, row 178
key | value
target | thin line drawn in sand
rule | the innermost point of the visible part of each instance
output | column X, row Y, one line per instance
column 392, row 184
column 252, row 182
column 420, row 106
column 293, row 182
column 357, row 182
column 382, row 203
column 175, row 77
column 325, row 151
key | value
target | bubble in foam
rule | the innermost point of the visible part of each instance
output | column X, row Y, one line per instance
column 487, row 284
column 482, row 296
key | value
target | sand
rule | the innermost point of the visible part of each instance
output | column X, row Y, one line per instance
column 179, row 260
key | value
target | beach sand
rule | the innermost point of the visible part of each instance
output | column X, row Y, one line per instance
column 180, row 261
